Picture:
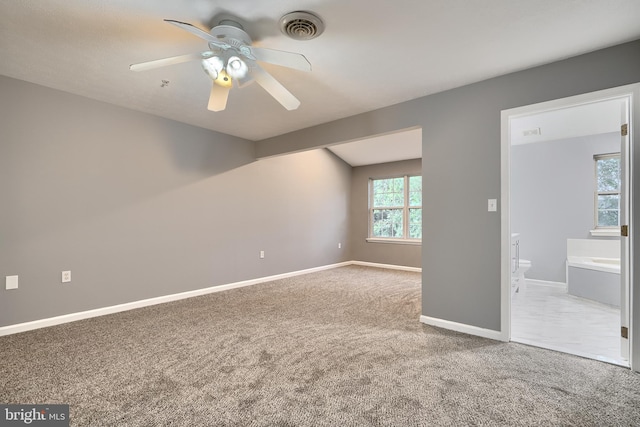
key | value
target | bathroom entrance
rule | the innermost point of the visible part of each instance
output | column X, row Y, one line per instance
column 565, row 197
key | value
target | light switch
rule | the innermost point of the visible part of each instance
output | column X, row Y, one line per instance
column 12, row 282
column 493, row 205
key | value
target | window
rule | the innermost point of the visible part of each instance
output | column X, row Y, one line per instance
column 395, row 209
column 607, row 194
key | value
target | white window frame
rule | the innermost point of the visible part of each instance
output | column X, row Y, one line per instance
column 405, row 240
column 599, row 230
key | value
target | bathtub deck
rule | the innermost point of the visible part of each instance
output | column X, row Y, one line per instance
column 546, row 316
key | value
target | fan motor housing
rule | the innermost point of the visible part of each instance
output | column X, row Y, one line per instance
column 230, row 32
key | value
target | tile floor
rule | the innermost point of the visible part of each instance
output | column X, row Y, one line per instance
column 547, row 316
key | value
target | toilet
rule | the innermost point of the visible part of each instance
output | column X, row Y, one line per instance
column 524, row 266
column 519, row 266
column 517, row 277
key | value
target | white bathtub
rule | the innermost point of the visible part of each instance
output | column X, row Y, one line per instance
column 597, row 279
column 608, row 265
column 593, row 270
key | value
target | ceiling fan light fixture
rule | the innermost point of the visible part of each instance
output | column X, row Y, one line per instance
column 236, row 68
column 213, row 66
column 230, row 57
column 223, row 79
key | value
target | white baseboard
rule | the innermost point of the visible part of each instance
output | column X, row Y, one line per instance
column 545, row 283
column 72, row 317
column 461, row 327
column 388, row 266
column 569, row 350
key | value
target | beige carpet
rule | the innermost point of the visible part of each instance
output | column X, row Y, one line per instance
column 342, row 347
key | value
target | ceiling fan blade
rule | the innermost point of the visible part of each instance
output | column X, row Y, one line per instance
column 144, row 66
column 282, row 58
column 199, row 33
column 275, row 89
column 218, row 97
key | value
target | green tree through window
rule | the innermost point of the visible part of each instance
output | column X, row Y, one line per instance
column 395, row 208
column 607, row 194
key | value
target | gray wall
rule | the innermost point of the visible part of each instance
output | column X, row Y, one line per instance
column 137, row 206
column 552, row 198
column 461, row 170
column 383, row 253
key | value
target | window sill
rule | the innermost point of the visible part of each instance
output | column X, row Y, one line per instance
column 395, row 241
column 605, row 232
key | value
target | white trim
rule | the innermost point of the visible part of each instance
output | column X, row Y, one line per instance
column 506, row 236
column 546, row 283
column 72, row 317
column 406, row 208
column 395, row 241
column 461, row 327
column 387, row 266
column 605, row 232
column 630, row 92
column 561, row 349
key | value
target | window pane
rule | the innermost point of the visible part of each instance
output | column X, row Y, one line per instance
column 388, row 192
column 608, row 218
column 415, row 183
column 382, row 199
column 398, row 184
column 608, row 171
column 608, row 210
column 398, row 199
column 415, row 223
column 387, row 223
column 382, row 186
column 398, row 192
column 391, row 203
column 415, row 191
column 608, row 201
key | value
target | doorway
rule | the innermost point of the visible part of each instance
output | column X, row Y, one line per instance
column 553, row 217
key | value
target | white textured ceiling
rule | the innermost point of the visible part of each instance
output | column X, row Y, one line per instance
column 371, row 55
column 571, row 122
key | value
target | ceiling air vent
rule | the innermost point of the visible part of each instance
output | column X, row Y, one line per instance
column 301, row 25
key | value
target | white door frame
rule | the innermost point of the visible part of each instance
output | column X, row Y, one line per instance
column 633, row 92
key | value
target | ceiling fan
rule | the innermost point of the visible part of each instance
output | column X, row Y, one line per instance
column 231, row 57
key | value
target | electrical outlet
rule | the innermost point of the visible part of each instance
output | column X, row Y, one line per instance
column 66, row 276
column 11, row 282
column 261, row 254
